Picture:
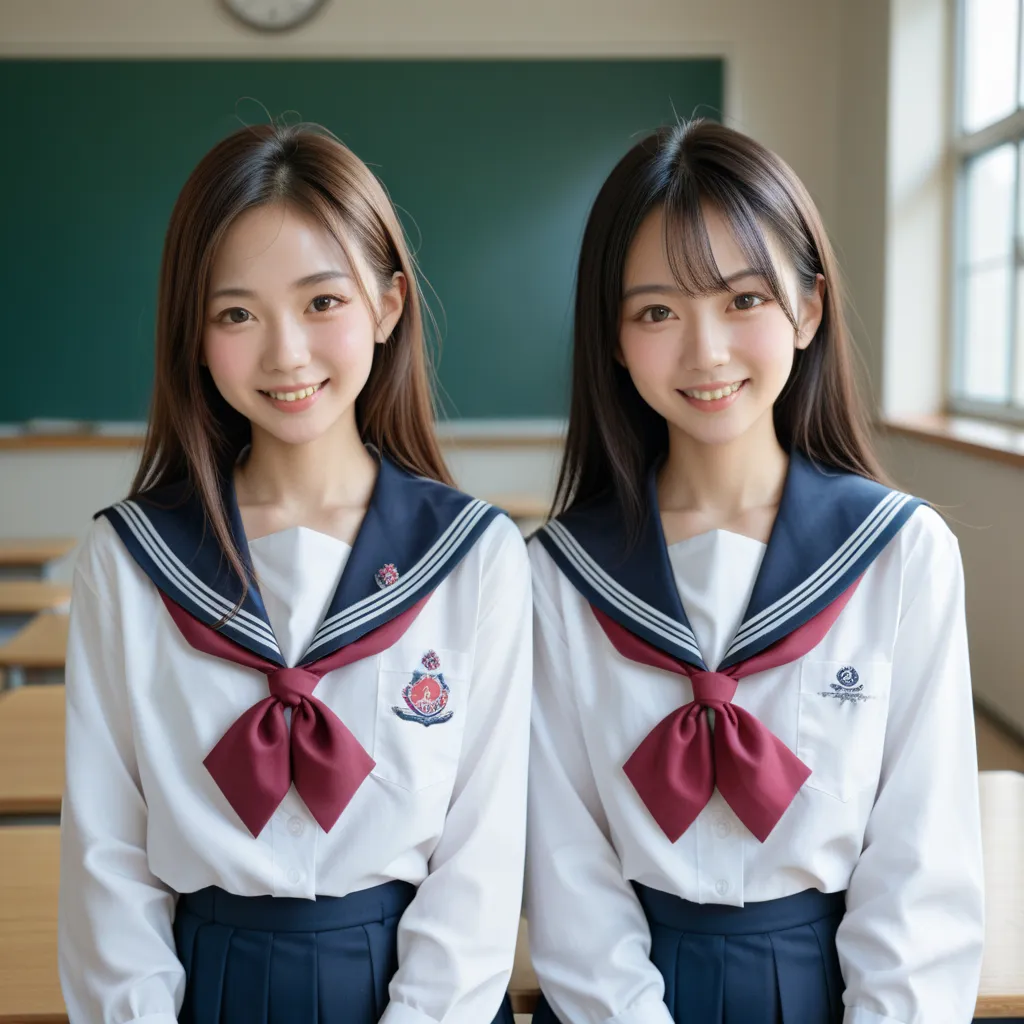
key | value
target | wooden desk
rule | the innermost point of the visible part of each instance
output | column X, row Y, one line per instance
column 29, row 597
column 31, row 751
column 1002, row 824
column 20, row 600
column 29, row 873
column 522, row 506
column 36, row 653
column 31, row 559
column 523, row 989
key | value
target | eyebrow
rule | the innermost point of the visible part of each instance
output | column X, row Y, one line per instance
column 303, row 282
column 671, row 289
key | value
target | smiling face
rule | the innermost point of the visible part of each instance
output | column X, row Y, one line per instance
column 289, row 335
column 711, row 365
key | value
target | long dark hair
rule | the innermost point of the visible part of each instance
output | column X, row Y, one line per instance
column 194, row 436
column 614, row 436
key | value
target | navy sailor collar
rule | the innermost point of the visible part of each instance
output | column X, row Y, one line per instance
column 414, row 533
column 830, row 527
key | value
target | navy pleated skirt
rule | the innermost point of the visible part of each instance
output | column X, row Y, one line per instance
column 280, row 960
column 772, row 962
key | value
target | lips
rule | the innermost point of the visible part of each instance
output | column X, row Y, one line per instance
column 295, row 393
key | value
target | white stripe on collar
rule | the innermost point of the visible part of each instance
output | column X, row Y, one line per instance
column 786, row 607
column 617, row 595
column 418, row 577
column 176, row 572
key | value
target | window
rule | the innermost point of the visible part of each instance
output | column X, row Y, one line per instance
column 988, row 315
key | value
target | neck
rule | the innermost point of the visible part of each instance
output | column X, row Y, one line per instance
column 301, row 480
column 723, row 481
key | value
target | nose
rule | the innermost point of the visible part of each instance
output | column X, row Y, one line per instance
column 286, row 347
column 707, row 346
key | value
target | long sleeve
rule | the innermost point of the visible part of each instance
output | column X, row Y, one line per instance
column 456, row 941
column 910, row 944
column 590, row 942
column 115, row 946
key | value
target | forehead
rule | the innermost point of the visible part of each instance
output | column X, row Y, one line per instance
column 695, row 254
column 276, row 239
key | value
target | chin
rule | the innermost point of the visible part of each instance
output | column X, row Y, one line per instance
column 709, row 433
column 294, row 433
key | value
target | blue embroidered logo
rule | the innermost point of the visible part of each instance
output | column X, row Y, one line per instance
column 847, row 688
column 426, row 695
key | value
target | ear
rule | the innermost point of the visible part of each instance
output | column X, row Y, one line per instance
column 812, row 308
column 392, row 302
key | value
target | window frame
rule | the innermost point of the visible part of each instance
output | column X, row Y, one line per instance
column 967, row 146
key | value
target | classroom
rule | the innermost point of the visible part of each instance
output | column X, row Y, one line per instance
column 492, row 127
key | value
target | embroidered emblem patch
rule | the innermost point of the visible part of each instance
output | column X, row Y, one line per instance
column 426, row 695
column 386, row 575
column 847, row 688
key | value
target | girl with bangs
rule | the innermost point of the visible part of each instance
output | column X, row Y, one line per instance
column 753, row 773
column 298, row 679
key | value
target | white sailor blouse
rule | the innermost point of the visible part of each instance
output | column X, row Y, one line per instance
column 363, row 718
column 731, row 722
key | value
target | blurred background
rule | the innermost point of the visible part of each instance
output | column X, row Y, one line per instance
column 492, row 125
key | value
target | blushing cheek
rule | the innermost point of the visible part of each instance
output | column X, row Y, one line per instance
column 766, row 350
column 648, row 362
column 229, row 362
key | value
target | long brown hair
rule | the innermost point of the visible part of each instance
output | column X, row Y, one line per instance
column 194, row 435
column 614, row 437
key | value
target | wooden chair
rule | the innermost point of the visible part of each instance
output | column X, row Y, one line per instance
column 32, row 559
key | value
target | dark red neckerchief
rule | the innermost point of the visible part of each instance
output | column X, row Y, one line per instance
column 676, row 768
column 256, row 761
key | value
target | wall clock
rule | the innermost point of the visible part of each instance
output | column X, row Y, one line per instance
column 273, row 15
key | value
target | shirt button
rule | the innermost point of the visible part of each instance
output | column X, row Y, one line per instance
column 295, row 826
column 294, row 877
column 721, row 887
column 722, row 828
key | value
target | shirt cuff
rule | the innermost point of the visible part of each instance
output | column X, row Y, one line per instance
column 858, row 1015
column 649, row 1011
column 400, row 1013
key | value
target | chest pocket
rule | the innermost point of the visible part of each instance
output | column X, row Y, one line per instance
column 422, row 695
column 841, row 729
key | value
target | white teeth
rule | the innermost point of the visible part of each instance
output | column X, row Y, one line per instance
column 711, row 396
column 293, row 396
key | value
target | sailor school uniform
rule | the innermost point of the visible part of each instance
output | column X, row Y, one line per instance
column 313, row 809
column 753, row 779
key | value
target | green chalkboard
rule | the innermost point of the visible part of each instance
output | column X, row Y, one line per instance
column 493, row 164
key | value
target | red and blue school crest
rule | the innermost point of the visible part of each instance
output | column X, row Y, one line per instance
column 426, row 695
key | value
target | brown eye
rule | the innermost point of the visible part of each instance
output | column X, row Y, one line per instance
column 656, row 314
column 235, row 315
column 322, row 303
column 748, row 301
